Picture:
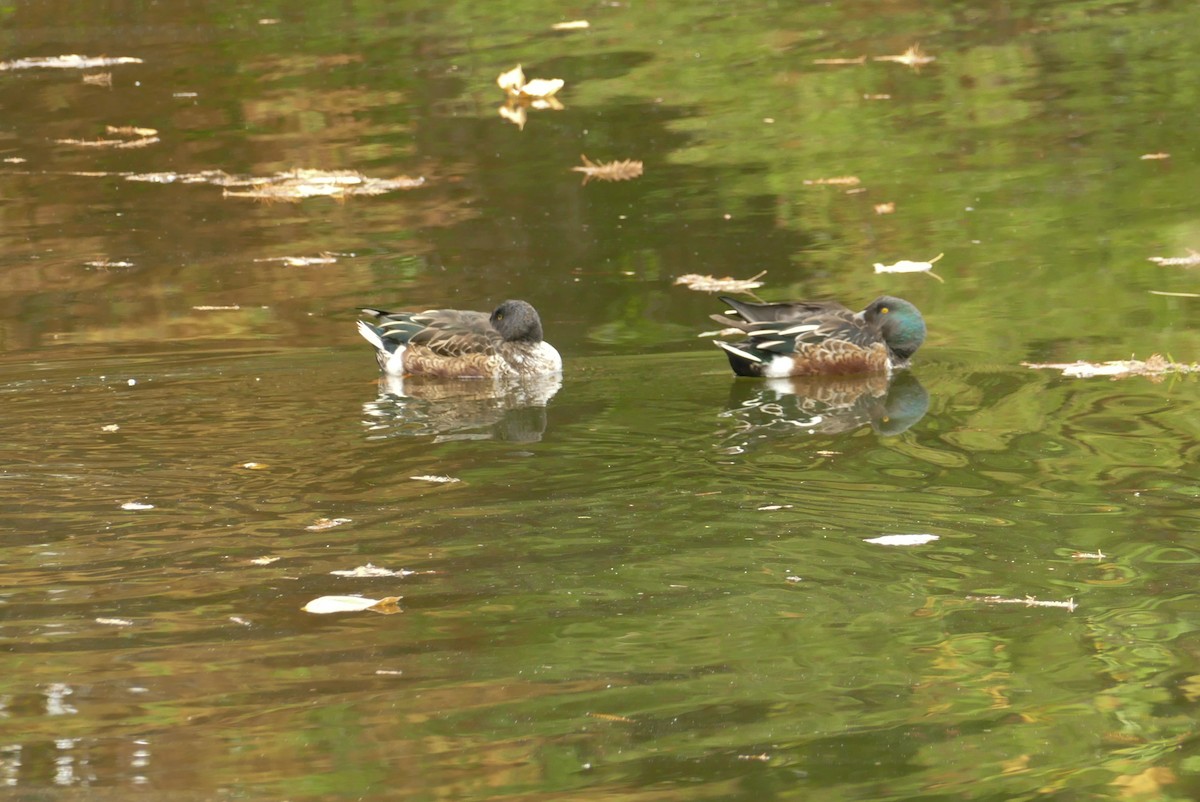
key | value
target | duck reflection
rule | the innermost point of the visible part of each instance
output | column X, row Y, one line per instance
column 822, row 405
column 462, row 409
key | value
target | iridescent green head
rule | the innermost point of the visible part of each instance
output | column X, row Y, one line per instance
column 900, row 324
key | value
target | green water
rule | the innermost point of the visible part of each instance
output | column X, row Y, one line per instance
column 652, row 581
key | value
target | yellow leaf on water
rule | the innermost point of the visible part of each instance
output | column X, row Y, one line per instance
column 352, row 604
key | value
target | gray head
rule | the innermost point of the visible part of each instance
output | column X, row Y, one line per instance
column 517, row 321
column 900, row 324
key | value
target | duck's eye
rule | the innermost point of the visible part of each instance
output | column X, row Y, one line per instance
column 499, row 316
column 883, row 310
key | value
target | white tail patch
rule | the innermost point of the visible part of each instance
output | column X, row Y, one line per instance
column 369, row 335
column 733, row 349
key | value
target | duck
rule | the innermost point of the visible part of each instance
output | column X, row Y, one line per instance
column 814, row 338
column 459, row 344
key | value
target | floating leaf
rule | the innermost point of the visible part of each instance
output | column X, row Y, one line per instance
column 136, row 505
column 906, row 266
column 99, row 79
column 72, row 62
column 880, row 96
column 369, row 570
column 913, row 57
column 860, row 60
column 305, row 261
column 130, row 130
column 109, row 143
column 608, row 171
column 514, row 84
column 352, row 604
column 115, row 622
column 1154, row 156
column 296, row 185
column 699, row 283
column 232, row 308
column 572, row 25
column 841, row 180
column 264, row 560
column 1155, row 366
column 1088, row 555
column 432, row 478
column 885, row 208
column 902, row 540
column 110, row 427
column 1191, row 260
column 611, row 717
column 1028, row 601
column 321, row 524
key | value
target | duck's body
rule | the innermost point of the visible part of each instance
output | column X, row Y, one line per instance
column 451, row 343
column 813, row 338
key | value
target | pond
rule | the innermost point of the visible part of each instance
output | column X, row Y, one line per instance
column 648, row 579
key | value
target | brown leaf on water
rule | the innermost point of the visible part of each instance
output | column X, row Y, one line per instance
column 1154, row 368
column 1191, row 260
column 70, row 62
column 885, row 208
column 99, row 79
column 913, row 57
column 699, row 283
column 608, row 171
column 841, row 180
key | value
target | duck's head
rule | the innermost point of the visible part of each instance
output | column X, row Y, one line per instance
column 900, row 324
column 517, row 321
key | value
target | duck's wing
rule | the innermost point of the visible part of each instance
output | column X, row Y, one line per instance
column 446, row 332
column 800, row 312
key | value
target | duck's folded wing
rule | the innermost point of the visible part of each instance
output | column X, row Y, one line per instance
column 776, row 312
column 452, row 332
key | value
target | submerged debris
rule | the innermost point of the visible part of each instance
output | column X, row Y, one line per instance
column 699, row 283
column 1154, row 367
column 608, row 171
column 71, row 62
